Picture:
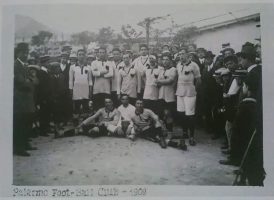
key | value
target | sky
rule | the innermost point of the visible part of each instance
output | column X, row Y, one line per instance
column 75, row 18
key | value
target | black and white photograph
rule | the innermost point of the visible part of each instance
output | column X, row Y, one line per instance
column 137, row 94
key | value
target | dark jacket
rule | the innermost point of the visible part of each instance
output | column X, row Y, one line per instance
column 23, row 97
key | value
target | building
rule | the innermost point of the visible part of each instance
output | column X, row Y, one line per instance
column 235, row 31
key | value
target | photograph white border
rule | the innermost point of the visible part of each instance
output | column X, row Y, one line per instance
column 6, row 84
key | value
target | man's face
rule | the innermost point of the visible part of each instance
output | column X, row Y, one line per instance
column 258, row 51
column 184, row 57
column 126, row 59
column 89, row 60
column 124, row 100
column 166, row 61
column 243, row 62
column 143, row 51
column 201, row 54
column 191, row 48
column 116, row 55
column 208, row 61
column 102, row 54
column 228, row 53
column 23, row 56
column 165, row 48
column 139, row 105
column 152, row 61
column 232, row 66
column 160, row 61
column 64, row 60
column 73, row 60
column 108, row 103
column 174, row 50
column 81, row 56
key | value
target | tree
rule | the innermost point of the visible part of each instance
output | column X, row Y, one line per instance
column 130, row 33
column 105, row 35
column 184, row 35
column 41, row 38
column 83, row 38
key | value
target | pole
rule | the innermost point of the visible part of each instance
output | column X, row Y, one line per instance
column 244, row 157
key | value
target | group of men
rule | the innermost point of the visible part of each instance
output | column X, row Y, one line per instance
column 145, row 97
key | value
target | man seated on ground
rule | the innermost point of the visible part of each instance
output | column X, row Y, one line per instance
column 107, row 117
column 146, row 124
column 127, row 112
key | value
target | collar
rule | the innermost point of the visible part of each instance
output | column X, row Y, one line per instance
column 251, row 67
column 186, row 64
column 110, row 110
column 210, row 66
column 103, row 60
column 125, row 106
column 44, row 69
column 249, row 99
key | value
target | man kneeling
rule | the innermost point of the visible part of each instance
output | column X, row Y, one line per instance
column 146, row 124
column 107, row 118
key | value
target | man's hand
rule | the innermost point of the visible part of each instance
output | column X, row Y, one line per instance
column 119, row 96
column 70, row 92
column 102, row 73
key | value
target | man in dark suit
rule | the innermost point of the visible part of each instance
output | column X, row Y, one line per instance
column 23, row 102
column 208, row 90
column 66, row 99
column 199, row 101
column 43, row 95
column 252, row 102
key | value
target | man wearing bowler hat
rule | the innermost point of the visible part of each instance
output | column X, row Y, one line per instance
column 208, row 90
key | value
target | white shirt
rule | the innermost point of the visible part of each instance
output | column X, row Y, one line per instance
column 234, row 88
column 79, row 81
column 209, row 67
column 202, row 60
column 62, row 66
column 102, row 83
column 127, row 113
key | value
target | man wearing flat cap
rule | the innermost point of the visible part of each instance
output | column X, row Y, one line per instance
column 227, row 50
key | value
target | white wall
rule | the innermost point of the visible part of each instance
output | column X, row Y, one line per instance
column 236, row 35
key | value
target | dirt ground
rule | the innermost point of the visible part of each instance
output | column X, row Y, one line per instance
column 82, row 160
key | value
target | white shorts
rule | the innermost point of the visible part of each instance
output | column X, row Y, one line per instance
column 186, row 104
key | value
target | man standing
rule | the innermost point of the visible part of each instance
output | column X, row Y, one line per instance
column 65, row 96
column 166, row 83
column 209, row 93
column 116, row 52
column 140, row 64
column 128, row 81
column 80, row 83
column 102, row 71
column 108, row 118
column 23, row 102
column 43, row 95
column 146, row 124
column 189, row 78
column 151, row 93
